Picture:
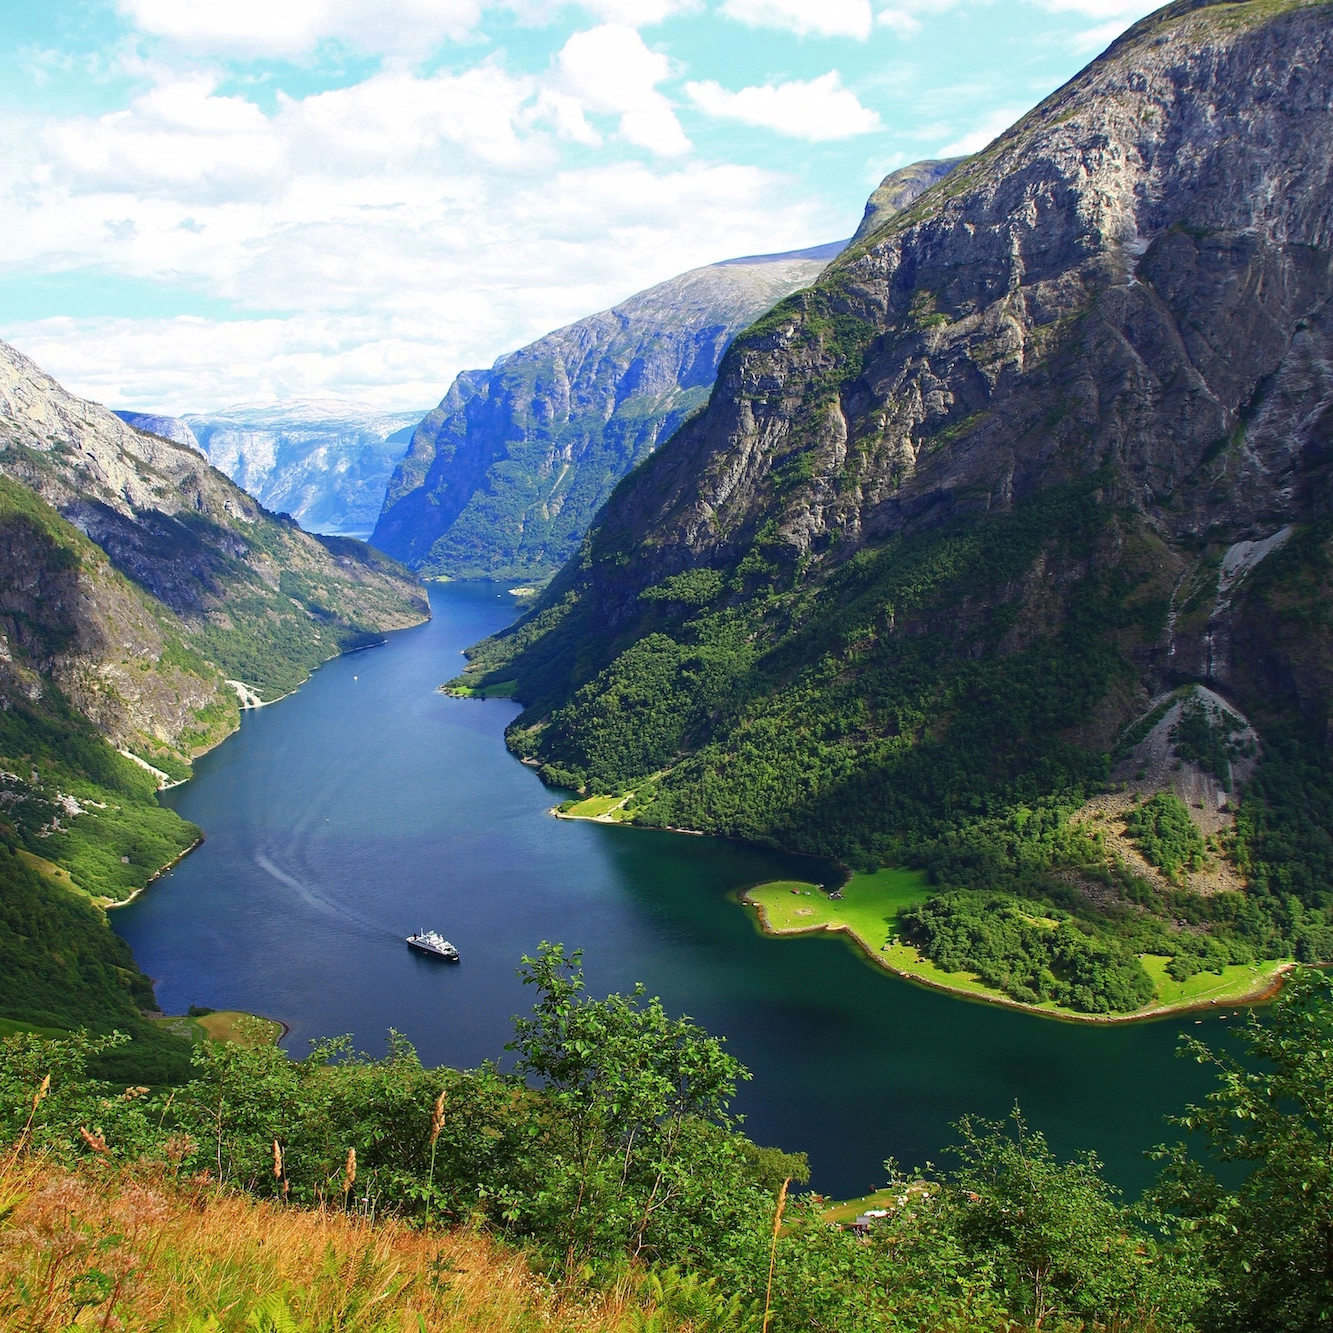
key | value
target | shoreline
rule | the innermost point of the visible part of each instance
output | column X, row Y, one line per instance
column 110, row 905
column 626, row 823
column 1261, row 995
column 165, row 782
column 249, row 700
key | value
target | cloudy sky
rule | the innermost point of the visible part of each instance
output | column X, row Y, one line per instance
column 212, row 201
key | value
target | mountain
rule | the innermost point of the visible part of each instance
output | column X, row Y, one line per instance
column 1034, row 454
column 502, row 479
column 257, row 595
column 142, row 594
column 899, row 189
column 169, row 428
column 324, row 461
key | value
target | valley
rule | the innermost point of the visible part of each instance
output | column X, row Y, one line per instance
column 369, row 805
column 860, row 714
column 995, row 556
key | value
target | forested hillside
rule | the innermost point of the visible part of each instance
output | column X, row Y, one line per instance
column 503, row 478
column 1033, row 455
column 140, row 593
column 604, row 1185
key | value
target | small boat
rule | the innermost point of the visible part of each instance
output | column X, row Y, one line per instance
column 433, row 943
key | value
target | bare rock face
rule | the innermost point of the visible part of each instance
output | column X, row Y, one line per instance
column 1134, row 278
column 504, row 476
column 169, row 428
column 67, row 616
column 899, row 189
column 1136, row 275
column 136, row 577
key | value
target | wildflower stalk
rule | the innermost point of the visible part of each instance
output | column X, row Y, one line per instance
column 349, row 1175
column 32, row 1114
column 436, row 1124
column 773, row 1249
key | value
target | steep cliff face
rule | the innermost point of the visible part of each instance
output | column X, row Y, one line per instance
column 324, row 461
column 504, row 476
column 253, row 594
column 1019, row 461
column 70, row 618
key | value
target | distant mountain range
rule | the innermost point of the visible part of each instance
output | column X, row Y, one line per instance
column 325, row 461
column 503, row 478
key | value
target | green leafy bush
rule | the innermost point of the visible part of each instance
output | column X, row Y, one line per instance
column 1167, row 835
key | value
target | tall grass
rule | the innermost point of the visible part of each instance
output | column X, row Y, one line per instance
column 136, row 1250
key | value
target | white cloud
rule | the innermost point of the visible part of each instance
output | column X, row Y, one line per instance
column 976, row 139
column 292, row 27
column 609, row 70
column 1115, row 16
column 905, row 16
column 639, row 13
column 901, row 21
column 178, row 140
column 413, row 226
column 819, row 110
column 1126, row 10
column 636, row 13
column 806, row 18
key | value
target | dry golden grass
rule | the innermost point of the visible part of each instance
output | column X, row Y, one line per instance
column 136, row 1251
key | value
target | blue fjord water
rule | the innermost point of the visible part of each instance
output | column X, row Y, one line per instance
column 368, row 804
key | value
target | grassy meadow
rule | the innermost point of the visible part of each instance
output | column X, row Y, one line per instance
column 868, row 912
column 166, row 1254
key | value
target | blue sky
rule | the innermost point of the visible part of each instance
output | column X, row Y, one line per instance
column 212, row 201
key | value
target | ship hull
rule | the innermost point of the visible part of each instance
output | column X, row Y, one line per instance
column 431, row 952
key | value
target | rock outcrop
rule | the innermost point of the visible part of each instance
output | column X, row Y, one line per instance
column 899, row 189
column 169, row 428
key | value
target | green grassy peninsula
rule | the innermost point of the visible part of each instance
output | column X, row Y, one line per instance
column 875, row 910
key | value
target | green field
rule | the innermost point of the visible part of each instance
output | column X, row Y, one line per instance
column 1236, row 983
column 596, row 807
column 241, row 1028
column 503, row 689
column 9, row 1026
column 846, row 1211
column 225, row 1025
column 868, row 912
column 868, row 908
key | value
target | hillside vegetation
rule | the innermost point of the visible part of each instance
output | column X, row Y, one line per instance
column 137, row 587
column 603, row 1185
column 1036, row 452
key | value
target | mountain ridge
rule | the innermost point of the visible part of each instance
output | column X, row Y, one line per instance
column 503, row 477
column 138, row 586
column 959, row 512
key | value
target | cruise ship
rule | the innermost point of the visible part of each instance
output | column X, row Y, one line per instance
column 433, row 943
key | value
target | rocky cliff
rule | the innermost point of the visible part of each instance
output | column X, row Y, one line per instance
column 504, row 476
column 1050, row 441
column 324, row 461
column 899, row 189
column 175, row 554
